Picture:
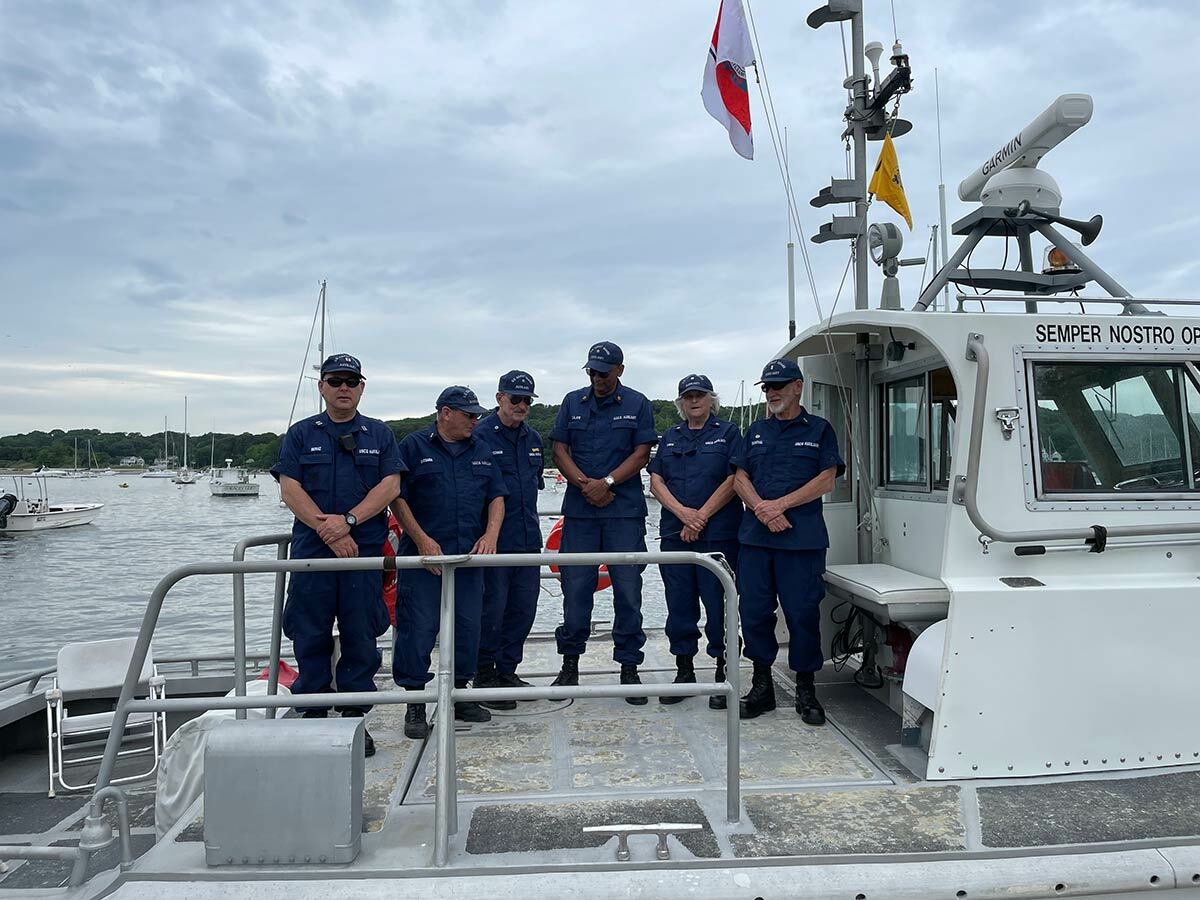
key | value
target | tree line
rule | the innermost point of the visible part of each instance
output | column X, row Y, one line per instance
column 55, row 449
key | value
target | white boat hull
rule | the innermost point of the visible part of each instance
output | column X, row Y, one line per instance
column 59, row 516
column 220, row 489
column 160, row 474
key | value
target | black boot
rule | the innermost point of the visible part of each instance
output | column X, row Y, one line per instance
column 416, row 726
column 469, row 710
column 486, row 677
column 761, row 698
column 685, row 673
column 717, row 701
column 368, row 741
column 568, row 675
column 808, row 707
column 629, row 675
column 510, row 679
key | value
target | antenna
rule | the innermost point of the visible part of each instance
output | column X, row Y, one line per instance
column 937, row 99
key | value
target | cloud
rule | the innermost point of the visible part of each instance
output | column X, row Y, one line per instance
column 488, row 186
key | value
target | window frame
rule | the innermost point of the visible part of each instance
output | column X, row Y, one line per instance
column 885, row 482
column 1037, row 499
column 845, row 441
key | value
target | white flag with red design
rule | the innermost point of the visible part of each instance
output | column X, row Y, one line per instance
column 725, row 94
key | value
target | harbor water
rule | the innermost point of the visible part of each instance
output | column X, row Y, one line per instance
column 93, row 581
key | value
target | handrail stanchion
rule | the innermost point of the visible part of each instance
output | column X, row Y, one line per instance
column 276, row 629
column 445, row 721
column 239, row 628
column 448, row 647
column 733, row 722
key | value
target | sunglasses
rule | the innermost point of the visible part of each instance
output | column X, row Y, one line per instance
column 596, row 373
column 336, row 381
column 518, row 400
column 775, row 385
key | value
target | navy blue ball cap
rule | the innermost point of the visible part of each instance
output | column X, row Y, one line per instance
column 517, row 384
column 695, row 383
column 342, row 362
column 604, row 357
column 781, row 370
column 458, row 397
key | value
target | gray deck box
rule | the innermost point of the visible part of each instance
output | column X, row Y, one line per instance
column 284, row 791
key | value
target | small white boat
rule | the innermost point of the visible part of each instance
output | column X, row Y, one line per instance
column 232, row 481
column 20, row 512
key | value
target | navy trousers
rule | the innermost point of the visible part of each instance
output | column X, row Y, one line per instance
column 418, row 618
column 510, row 598
column 689, row 586
column 581, row 535
column 314, row 601
column 793, row 579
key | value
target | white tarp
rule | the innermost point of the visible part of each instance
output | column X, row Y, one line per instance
column 181, row 768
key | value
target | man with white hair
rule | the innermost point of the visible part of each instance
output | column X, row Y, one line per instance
column 785, row 465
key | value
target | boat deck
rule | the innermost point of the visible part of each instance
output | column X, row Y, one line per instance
column 532, row 778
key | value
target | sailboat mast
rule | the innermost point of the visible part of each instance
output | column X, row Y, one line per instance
column 164, row 440
column 185, row 441
column 321, row 343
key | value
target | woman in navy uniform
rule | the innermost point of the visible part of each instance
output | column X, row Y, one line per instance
column 510, row 593
column 692, row 477
column 451, row 502
column 337, row 472
column 786, row 463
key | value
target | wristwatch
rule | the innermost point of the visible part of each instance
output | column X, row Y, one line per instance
column 609, row 480
column 351, row 520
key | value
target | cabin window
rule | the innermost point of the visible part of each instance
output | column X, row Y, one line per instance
column 919, row 415
column 830, row 403
column 1116, row 427
column 906, row 432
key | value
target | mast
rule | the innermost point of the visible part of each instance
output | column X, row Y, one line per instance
column 865, row 117
column 321, row 342
column 941, row 186
column 164, row 442
column 185, row 441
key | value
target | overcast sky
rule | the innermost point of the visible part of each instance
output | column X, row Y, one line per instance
column 491, row 185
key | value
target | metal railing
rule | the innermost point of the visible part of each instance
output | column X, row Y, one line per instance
column 445, row 693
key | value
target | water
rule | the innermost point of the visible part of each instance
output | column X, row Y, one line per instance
column 93, row 581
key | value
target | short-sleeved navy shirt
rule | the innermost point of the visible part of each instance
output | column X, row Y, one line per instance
column 781, row 455
column 448, row 489
column 601, row 433
column 337, row 479
column 694, row 464
column 518, row 453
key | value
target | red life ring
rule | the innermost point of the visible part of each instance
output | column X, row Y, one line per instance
column 552, row 544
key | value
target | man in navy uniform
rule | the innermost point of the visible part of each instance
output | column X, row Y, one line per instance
column 602, row 440
column 785, row 465
column 451, row 502
column 510, row 594
column 337, row 472
column 692, row 477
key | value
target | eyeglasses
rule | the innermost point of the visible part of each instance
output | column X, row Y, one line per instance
column 518, row 400
column 775, row 385
column 470, row 415
column 596, row 373
column 336, row 381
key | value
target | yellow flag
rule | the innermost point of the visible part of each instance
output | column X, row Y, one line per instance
column 886, row 184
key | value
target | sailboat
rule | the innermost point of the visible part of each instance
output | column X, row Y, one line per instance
column 75, row 471
column 161, row 467
column 186, row 475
